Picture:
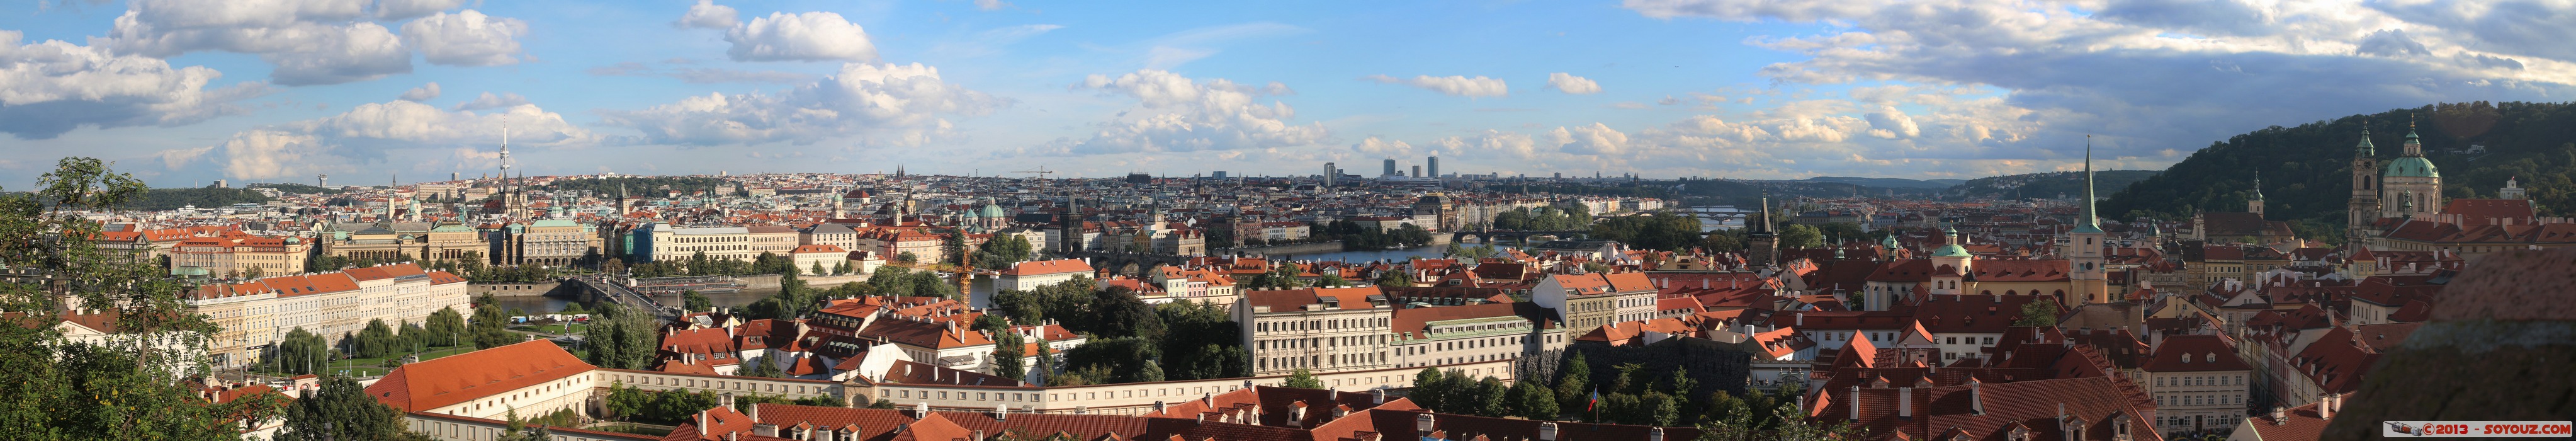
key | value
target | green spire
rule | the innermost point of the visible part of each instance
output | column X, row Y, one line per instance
column 2364, row 149
column 2258, row 186
column 2090, row 223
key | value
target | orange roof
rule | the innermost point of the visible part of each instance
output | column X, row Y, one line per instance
column 819, row 248
column 1043, row 267
column 474, row 375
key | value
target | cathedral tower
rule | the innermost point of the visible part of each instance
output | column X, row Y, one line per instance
column 1761, row 245
column 2255, row 204
column 2083, row 247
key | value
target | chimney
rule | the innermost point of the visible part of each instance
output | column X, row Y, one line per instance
column 702, row 424
column 1422, row 424
column 1003, row 412
column 755, row 413
column 1158, row 406
column 921, row 410
column 2325, row 407
column 1547, row 431
column 1905, row 402
column 1853, row 403
column 1377, row 396
column 979, row 435
column 2280, row 415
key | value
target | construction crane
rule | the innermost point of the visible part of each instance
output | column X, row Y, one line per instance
column 1042, row 172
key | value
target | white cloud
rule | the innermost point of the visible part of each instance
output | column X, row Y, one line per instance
column 408, row 9
column 309, row 41
column 709, row 15
column 892, row 104
column 1453, row 85
column 1175, row 113
column 811, row 36
column 466, row 38
column 490, row 101
column 425, row 92
column 1572, row 84
column 991, row 5
column 1372, row 146
column 369, row 134
column 1596, row 139
column 52, row 87
column 1490, row 142
column 1890, row 123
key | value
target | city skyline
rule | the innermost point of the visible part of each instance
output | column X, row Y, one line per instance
column 183, row 94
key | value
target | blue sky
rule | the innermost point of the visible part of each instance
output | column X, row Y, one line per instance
column 185, row 91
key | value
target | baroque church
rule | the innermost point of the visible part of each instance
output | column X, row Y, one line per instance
column 2398, row 206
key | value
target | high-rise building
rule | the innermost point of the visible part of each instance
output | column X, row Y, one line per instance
column 1219, row 174
column 1330, row 173
column 1434, row 164
column 1417, row 171
column 1390, row 167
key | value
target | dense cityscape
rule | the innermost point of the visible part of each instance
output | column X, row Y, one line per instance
column 839, row 261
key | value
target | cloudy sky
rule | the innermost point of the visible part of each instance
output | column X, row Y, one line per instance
column 187, row 91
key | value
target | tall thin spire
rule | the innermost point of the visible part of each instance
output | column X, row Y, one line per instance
column 2091, row 224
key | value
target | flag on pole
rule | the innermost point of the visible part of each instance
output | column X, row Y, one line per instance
column 1596, row 400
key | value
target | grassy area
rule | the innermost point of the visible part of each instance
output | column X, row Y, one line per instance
column 556, row 329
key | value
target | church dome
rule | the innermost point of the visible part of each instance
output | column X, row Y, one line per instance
column 993, row 211
column 1951, row 250
column 2411, row 167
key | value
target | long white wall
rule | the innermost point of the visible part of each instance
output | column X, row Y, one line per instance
column 1139, row 398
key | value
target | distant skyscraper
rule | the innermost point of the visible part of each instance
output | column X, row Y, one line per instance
column 322, row 180
column 1434, row 164
column 1330, row 173
column 1220, row 174
column 1390, row 167
column 1417, row 171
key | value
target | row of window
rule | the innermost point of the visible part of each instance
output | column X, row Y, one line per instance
column 2229, row 380
column 2200, row 400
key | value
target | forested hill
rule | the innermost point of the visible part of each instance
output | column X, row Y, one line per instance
column 2306, row 169
column 2048, row 185
column 208, row 197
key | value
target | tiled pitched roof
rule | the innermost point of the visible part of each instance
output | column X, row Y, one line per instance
column 474, row 375
column 1044, row 267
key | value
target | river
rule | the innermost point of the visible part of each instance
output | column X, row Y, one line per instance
column 541, row 305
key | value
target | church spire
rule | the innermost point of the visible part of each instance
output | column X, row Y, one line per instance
column 2364, row 149
column 2414, row 144
column 2090, row 223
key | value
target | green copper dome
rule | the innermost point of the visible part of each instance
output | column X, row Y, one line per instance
column 2411, row 167
column 991, row 210
column 1951, row 250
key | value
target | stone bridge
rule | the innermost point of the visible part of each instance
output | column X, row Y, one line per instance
column 593, row 288
column 1493, row 236
column 1129, row 264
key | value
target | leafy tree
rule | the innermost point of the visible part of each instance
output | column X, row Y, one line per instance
column 1662, row 231
column 819, row 271
column 1430, row 389
column 1394, row 278
column 491, row 327
column 2042, row 312
column 1538, row 403
column 1574, row 381
column 341, row 410
column 762, row 366
column 1800, row 236
column 1008, row 350
column 695, row 302
column 1330, row 280
column 621, row 338
column 1723, row 240
column 300, row 352
column 1658, row 408
column 376, row 340
column 1489, row 399
column 128, row 387
column 515, row 429
column 1304, row 379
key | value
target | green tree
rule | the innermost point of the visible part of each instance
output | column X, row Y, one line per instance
column 1330, row 280
column 1574, row 381
column 819, row 271
column 1008, row 350
column 696, row 302
column 376, row 340
column 1490, row 399
column 53, row 388
column 1538, row 403
column 1430, row 389
column 341, row 410
column 1722, row 241
column 621, row 338
column 1304, row 379
column 1394, row 278
column 1800, row 236
column 763, row 367
column 301, row 352
column 1659, row 409
column 2042, row 312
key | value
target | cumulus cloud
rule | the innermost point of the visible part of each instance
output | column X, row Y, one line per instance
column 425, row 92
column 811, row 36
column 52, row 87
column 1490, row 142
column 368, row 133
column 1890, row 123
column 410, row 9
column 709, row 15
column 2144, row 73
column 1595, row 139
column 466, row 38
column 309, row 42
column 1569, row 83
column 892, row 104
column 1174, row 113
column 1373, row 146
column 490, row 101
column 1452, row 85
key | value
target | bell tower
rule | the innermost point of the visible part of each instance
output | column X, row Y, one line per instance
column 1761, row 245
column 2083, row 246
column 2364, row 207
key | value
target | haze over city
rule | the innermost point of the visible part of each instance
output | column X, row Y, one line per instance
column 276, row 91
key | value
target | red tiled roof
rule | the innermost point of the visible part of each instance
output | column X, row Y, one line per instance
column 1044, row 267
column 2169, row 355
column 474, row 375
